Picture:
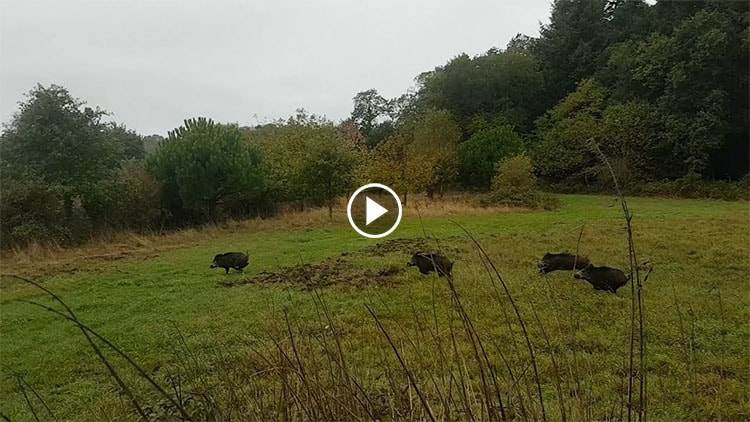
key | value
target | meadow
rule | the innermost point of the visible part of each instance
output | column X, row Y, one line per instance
column 326, row 324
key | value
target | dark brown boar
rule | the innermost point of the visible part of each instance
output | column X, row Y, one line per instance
column 603, row 278
column 236, row 260
column 429, row 262
column 561, row 262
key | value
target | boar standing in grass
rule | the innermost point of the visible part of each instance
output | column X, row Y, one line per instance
column 603, row 278
column 428, row 262
column 236, row 260
column 561, row 262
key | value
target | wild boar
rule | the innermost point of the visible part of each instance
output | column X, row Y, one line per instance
column 428, row 262
column 561, row 262
column 603, row 278
column 236, row 260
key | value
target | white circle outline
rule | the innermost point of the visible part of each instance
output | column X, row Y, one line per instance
column 351, row 201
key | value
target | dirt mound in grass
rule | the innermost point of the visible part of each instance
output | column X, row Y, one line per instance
column 409, row 246
column 330, row 272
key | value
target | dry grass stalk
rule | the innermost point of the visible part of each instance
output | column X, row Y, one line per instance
column 637, row 305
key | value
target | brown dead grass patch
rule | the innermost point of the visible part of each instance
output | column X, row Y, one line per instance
column 334, row 271
column 452, row 204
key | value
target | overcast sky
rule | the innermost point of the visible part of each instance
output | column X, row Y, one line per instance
column 155, row 63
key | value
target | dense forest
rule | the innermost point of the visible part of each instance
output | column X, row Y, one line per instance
column 661, row 89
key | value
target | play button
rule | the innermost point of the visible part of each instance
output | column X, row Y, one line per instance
column 374, row 210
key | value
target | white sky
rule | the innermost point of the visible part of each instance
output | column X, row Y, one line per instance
column 155, row 63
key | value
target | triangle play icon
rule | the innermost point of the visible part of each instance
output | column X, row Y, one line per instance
column 373, row 210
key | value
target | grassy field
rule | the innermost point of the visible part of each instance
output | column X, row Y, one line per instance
column 282, row 334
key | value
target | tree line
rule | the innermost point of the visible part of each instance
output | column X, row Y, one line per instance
column 661, row 89
column 67, row 175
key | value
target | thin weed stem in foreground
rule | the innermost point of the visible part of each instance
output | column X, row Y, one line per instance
column 406, row 369
column 637, row 306
column 521, row 321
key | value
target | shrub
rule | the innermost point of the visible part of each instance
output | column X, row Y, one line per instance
column 139, row 203
column 140, row 196
column 515, row 185
column 693, row 186
column 130, row 199
column 477, row 156
column 100, row 202
column 30, row 210
column 514, row 180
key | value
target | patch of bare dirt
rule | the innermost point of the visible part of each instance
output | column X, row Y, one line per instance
column 334, row 271
column 409, row 246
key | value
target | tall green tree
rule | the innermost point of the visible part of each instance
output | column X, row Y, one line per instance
column 570, row 48
column 369, row 106
column 282, row 148
column 479, row 155
column 131, row 145
column 205, row 162
column 54, row 138
column 668, row 14
column 433, row 151
column 389, row 163
column 492, row 86
column 697, row 76
column 328, row 170
column 629, row 20
column 562, row 153
column 520, row 44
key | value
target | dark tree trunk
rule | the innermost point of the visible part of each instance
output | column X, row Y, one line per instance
column 331, row 197
column 212, row 210
column 68, row 206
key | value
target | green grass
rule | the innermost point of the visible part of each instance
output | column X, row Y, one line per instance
column 696, row 305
